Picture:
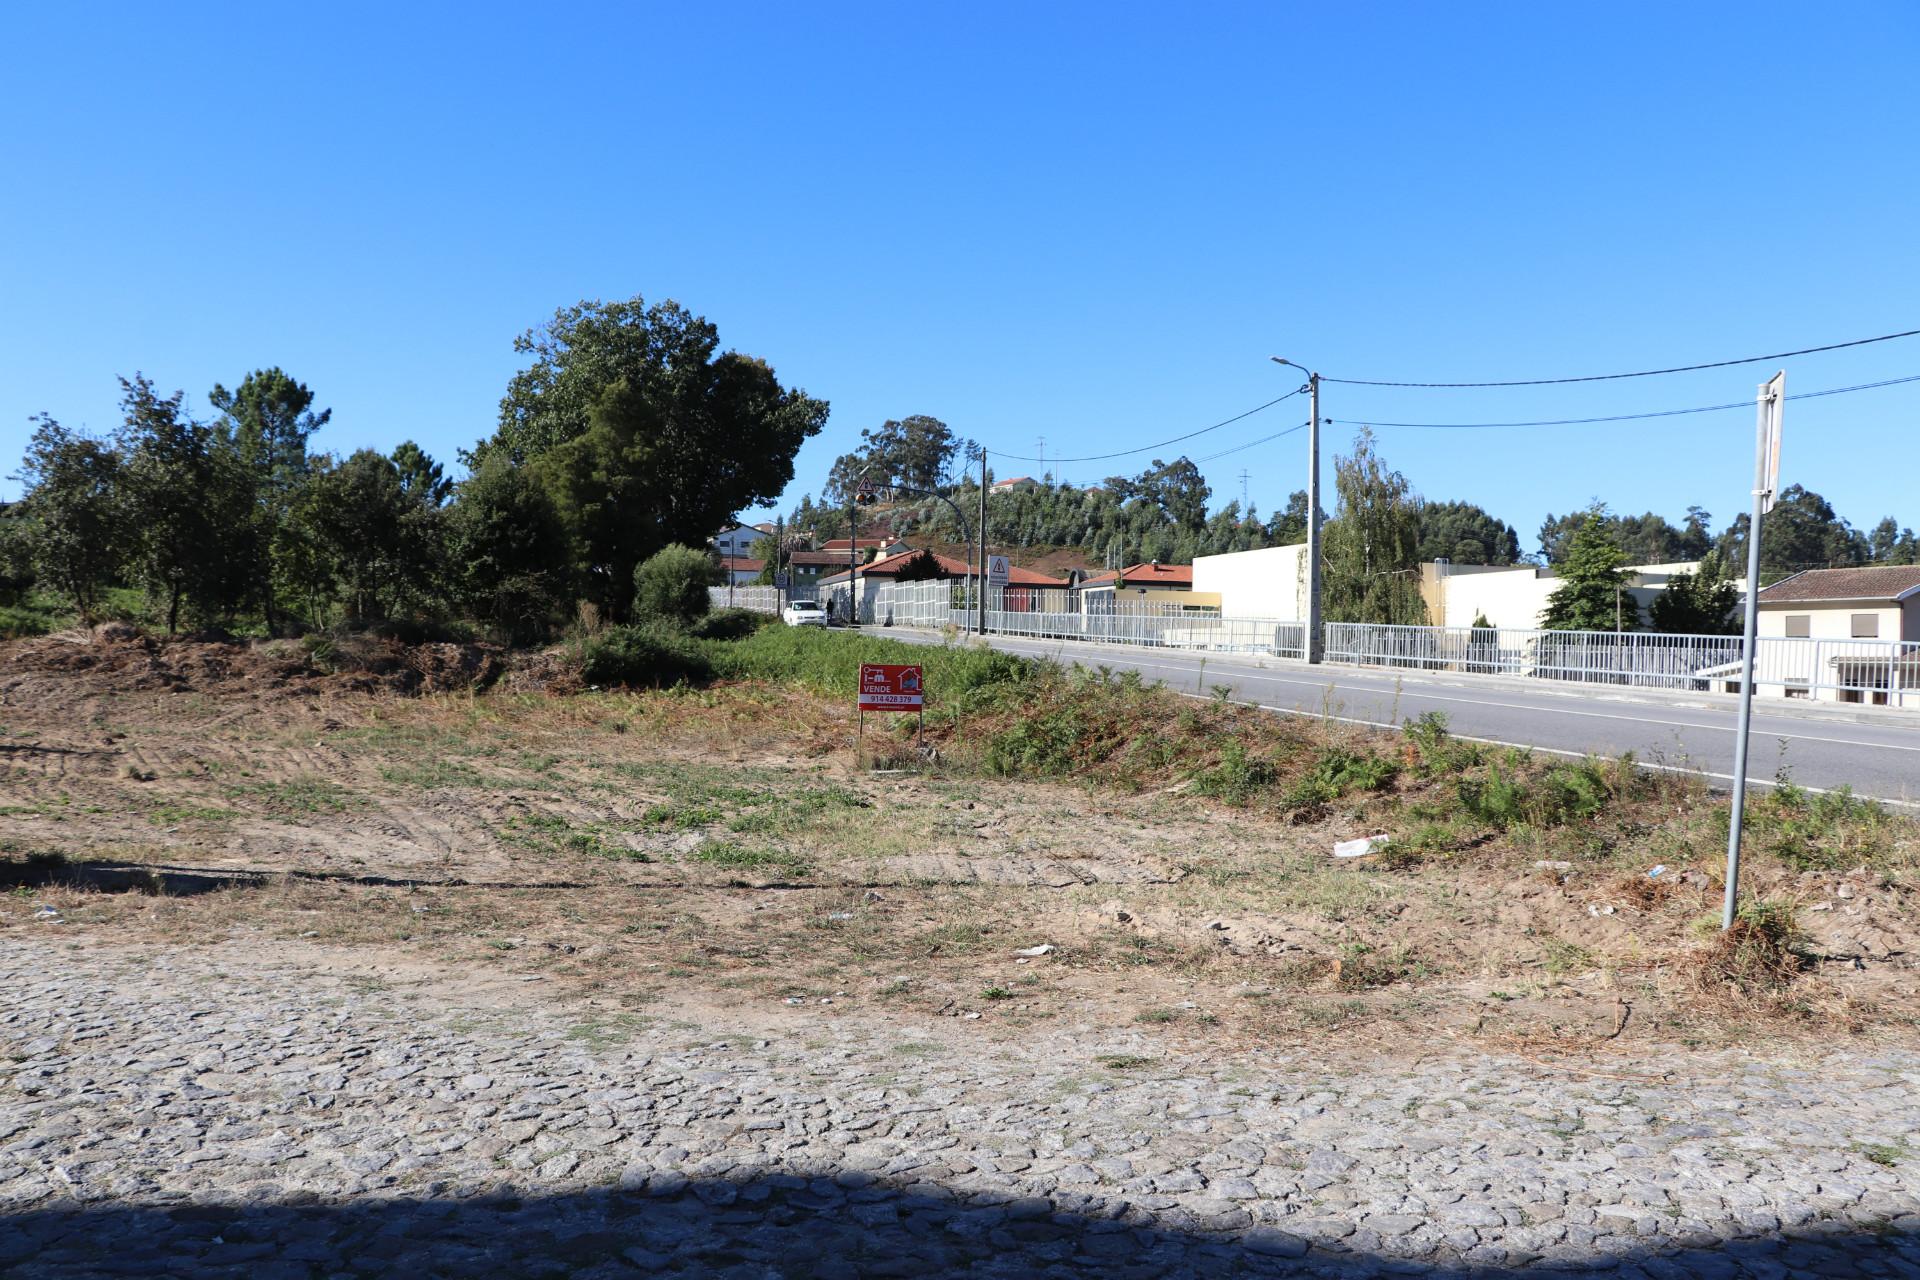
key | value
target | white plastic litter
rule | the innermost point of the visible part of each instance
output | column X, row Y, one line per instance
column 1045, row 948
column 1657, row 872
column 1356, row 848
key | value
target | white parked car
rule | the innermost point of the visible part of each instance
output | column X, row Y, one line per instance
column 804, row 613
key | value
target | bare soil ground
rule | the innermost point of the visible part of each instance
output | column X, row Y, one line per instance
column 428, row 805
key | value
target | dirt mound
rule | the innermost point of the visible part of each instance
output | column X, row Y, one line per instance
column 116, row 658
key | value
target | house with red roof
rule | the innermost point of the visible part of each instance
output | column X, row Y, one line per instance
column 1149, row 583
column 1027, row 591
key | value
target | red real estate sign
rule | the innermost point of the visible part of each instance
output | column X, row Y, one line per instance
column 888, row 687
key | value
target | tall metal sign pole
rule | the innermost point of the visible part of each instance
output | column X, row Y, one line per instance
column 1766, row 482
column 1316, row 642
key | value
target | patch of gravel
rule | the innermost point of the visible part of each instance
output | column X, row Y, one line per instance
column 209, row 1113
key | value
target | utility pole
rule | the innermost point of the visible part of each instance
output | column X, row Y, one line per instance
column 1315, row 638
column 1243, row 492
column 980, row 594
column 853, row 562
column 1766, row 481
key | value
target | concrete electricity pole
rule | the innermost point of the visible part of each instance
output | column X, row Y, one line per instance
column 1316, row 637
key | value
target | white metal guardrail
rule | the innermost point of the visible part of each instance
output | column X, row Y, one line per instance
column 1880, row 672
column 760, row 599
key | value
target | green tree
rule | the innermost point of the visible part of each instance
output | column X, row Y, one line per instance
column 75, row 510
column 666, row 460
column 671, row 584
column 189, row 505
column 1592, row 586
column 1371, row 546
column 667, row 356
column 270, row 417
column 362, row 537
column 921, row 566
column 1465, row 534
column 420, row 476
column 1697, row 604
column 1803, row 531
column 916, row 451
column 16, row 552
column 507, row 555
column 1889, row 543
column 267, row 423
column 1178, row 489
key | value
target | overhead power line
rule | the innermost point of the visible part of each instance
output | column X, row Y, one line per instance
column 1252, row 443
column 1148, row 448
column 1618, row 417
column 1640, row 373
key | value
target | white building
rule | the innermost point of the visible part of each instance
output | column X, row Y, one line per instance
column 735, row 541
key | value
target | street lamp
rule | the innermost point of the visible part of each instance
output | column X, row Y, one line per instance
column 1315, row 642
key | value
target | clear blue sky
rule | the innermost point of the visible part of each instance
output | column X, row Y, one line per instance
column 1091, row 223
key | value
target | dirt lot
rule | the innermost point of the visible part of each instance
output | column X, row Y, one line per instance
column 431, row 805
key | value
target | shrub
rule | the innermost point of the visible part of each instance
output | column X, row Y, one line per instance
column 1235, row 779
column 649, row 655
column 1822, row 831
column 730, row 624
column 671, row 585
column 1760, row 955
column 1337, row 771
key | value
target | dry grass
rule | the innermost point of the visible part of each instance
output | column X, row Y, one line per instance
column 1175, row 853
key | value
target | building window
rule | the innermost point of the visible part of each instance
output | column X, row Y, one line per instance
column 1866, row 626
column 1798, row 689
column 1800, row 625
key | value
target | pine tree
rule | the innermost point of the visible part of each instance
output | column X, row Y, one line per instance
column 1593, row 591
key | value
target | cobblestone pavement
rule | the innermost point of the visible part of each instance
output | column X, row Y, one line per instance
column 208, row 1112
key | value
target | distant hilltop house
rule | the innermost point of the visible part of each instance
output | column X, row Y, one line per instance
column 1008, row 486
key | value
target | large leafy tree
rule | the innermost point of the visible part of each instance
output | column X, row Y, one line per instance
column 1178, row 489
column 189, row 502
column 1371, row 547
column 74, row 512
column 1592, row 594
column 1889, row 543
column 1465, row 534
column 668, row 455
column 360, row 536
column 1803, row 531
column 507, row 555
column 917, row 451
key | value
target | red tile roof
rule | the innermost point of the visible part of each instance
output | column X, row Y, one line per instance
column 741, row 564
column 1884, row 582
column 951, row 567
column 1147, row 575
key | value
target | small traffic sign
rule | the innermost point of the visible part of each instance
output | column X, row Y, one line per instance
column 999, row 570
column 781, row 580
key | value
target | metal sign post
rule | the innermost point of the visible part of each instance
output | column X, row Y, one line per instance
column 1766, row 480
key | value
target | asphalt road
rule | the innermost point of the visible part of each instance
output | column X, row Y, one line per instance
column 1818, row 746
